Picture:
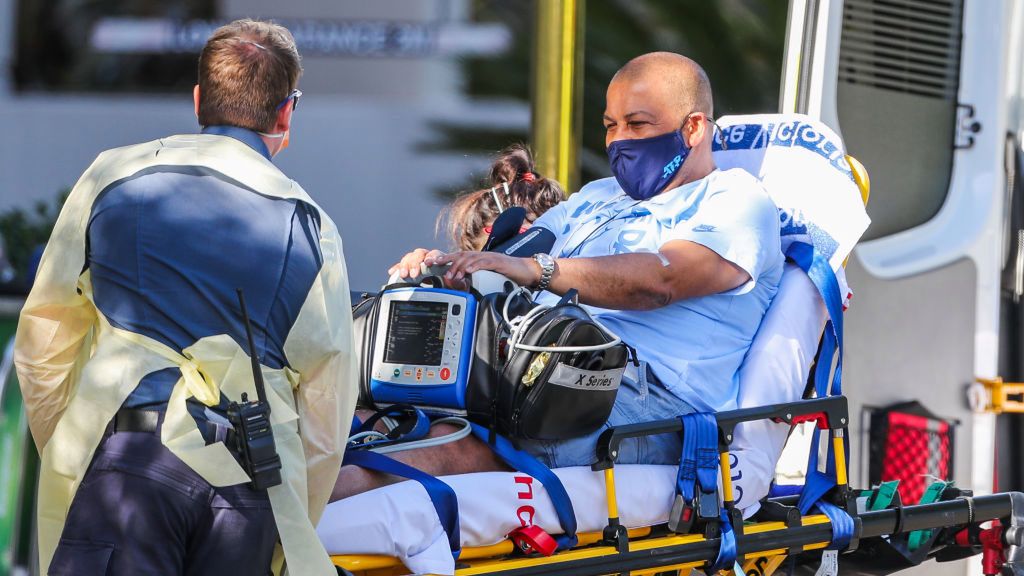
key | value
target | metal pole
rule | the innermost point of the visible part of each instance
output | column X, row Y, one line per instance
column 557, row 89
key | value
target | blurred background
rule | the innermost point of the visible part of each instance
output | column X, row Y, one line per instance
column 405, row 101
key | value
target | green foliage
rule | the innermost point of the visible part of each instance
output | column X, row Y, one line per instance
column 24, row 230
column 738, row 42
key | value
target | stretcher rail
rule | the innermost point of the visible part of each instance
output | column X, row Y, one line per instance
column 815, row 533
column 829, row 413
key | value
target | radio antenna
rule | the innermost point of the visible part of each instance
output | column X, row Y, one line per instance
column 257, row 372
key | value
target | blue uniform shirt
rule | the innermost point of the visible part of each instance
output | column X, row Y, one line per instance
column 694, row 346
column 168, row 247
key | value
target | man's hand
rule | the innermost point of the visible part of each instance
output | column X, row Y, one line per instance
column 412, row 264
column 522, row 271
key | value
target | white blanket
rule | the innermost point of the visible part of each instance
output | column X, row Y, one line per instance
column 400, row 521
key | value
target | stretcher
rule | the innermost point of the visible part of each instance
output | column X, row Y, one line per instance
column 879, row 544
column 852, row 525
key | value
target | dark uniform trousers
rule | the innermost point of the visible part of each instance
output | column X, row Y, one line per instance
column 141, row 511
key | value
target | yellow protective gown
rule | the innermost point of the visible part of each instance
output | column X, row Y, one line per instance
column 76, row 369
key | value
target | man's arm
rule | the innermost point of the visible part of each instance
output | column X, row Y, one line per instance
column 55, row 325
column 722, row 248
column 320, row 348
column 53, row 330
column 681, row 270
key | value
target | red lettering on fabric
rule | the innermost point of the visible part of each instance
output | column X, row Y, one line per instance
column 529, row 512
column 528, row 494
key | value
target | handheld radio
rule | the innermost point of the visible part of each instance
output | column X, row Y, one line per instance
column 251, row 421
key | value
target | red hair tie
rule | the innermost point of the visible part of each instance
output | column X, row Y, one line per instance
column 527, row 177
column 487, row 229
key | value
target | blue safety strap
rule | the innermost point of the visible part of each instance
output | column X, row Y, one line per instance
column 820, row 272
column 781, row 490
column 527, row 464
column 698, row 468
column 842, row 525
column 818, row 483
column 824, row 279
column 699, row 461
column 726, row 548
column 419, row 430
column 445, row 502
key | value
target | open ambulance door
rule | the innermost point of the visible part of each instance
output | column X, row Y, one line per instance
column 918, row 90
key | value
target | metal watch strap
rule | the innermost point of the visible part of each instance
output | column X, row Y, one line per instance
column 547, row 269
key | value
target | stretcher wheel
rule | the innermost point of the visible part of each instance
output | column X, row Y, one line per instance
column 533, row 540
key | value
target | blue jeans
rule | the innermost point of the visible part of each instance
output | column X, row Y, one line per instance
column 641, row 398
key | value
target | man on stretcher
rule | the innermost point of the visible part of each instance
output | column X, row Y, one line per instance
column 678, row 258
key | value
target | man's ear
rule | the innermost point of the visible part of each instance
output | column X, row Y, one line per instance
column 695, row 131
column 195, row 98
column 283, row 123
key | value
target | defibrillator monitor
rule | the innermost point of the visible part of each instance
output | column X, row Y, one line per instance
column 423, row 347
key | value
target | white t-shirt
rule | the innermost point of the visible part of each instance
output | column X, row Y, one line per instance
column 695, row 346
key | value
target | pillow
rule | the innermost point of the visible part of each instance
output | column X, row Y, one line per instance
column 802, row 164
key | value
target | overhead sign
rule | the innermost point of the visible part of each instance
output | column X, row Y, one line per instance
column 359, row 38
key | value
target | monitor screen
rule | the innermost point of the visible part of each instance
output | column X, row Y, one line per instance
column 416, row 333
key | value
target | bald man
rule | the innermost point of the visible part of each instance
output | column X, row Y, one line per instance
column 678, row 258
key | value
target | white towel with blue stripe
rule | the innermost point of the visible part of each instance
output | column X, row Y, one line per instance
column 802, row 163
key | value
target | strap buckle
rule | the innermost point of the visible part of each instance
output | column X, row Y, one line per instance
column 708, row 506
column 533, row 539
column 704, row 507
column 680, row 519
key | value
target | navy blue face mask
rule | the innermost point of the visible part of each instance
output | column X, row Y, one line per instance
column 644, row 167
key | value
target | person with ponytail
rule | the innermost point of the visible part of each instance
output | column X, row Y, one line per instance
column 512, row 181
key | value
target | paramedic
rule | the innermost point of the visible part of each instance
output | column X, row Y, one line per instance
column 131, row 343
column 678, row 258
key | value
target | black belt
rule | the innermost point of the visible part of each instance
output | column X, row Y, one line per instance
column 130, row 420
column 135, row 420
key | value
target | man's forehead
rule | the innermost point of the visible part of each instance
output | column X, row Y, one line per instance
column 634, row 95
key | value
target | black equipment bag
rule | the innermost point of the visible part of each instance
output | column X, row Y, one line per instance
column 364, row 321
column 538, row 395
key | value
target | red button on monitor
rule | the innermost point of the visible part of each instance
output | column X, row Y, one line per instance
column 445, row 373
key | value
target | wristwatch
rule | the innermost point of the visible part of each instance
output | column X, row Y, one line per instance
column 547, row 269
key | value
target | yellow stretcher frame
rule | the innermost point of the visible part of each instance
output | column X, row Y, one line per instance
column 1000, row 397
column 495, row 559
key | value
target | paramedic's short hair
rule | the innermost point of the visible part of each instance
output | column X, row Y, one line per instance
column 246, row 69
